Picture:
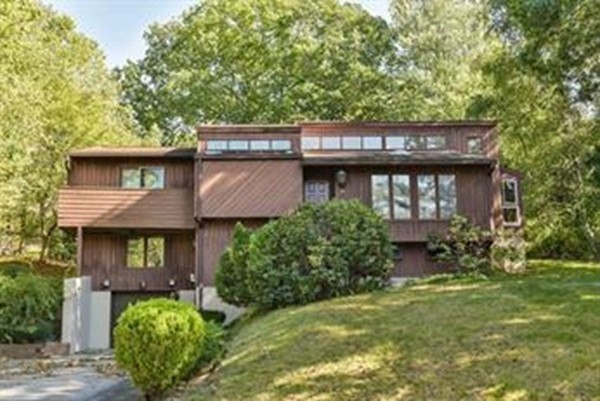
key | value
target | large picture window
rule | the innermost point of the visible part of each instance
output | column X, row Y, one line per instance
column 143, row 177
column 427, row 203
column 145, row 252
column 401, row 190
column 437, row 196
column 380, row 193
column 447, row 195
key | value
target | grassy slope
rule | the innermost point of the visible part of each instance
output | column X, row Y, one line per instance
column 529, row 337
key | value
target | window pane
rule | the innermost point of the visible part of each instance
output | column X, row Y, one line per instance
column 426, row 184
column 510, row 215
column 281, row 144
column 153, row 177
column 156, row 252
column 474, row 145
column 259, row 145
column 447, row 193
column 331, row 142
column 351, row 142
column 380, row 195
column 372, row 143
column 216, row 145
column 401, row 188
column 436, row 142
column 135, row 253
column 394, row 142
column 316, row 191
column 310, row 143
column 130, row 178
column 509, row 192
column 415, row 142
column 238, row 145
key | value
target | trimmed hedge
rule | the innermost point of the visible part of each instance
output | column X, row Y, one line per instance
column 158, row 342
column 320, row 251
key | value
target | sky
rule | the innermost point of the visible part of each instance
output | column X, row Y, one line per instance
column 118, row 25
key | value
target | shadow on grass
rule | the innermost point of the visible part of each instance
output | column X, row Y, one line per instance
column 526, row 337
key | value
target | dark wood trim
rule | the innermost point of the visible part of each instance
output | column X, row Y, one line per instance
column 79, row 250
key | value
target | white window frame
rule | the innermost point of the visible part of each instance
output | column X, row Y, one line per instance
column 510, row 205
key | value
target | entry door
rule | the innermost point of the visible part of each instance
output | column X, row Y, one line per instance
column 316, row 191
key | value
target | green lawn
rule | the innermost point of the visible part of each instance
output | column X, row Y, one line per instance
column 529, row 337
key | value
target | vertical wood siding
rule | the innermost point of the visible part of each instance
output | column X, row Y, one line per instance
column 416, row 262
column 105, row 254
column 106, row 172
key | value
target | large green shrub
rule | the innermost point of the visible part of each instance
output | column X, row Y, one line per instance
column 158, row 342
column 232, row 273
column 465, row 247
column 213, row 347
column 509, row 252
column 318, row 252
column 30, row 308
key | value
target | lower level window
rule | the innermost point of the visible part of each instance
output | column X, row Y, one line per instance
column 145, row 252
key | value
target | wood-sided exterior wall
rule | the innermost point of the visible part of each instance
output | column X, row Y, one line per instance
column 104, row 257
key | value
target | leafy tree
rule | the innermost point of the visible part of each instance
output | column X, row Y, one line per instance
column 55, row 95
column 263, row 61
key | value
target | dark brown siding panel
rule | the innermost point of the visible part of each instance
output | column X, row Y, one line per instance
column 106, row 172
column 125, row 208
column 250, row 189
column 216, row 236
column 416, row 262
column 104, row 257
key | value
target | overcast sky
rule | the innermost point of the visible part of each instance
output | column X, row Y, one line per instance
column 118, row 25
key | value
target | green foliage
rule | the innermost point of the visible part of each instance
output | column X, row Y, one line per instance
column 319, row 252
column 158, row 343
column 213, row 316
column 56, row 95
column 318, row 60
column 213, row 347
column 508, row 252
column 30, row 307
column 465, row 247
column 231, row 277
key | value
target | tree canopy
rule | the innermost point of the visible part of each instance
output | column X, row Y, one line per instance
column 56, row 94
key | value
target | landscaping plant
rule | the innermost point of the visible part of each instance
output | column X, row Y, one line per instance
column 321, row 251
column 158, row 342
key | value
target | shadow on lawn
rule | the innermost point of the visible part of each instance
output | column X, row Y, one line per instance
column 521, row 338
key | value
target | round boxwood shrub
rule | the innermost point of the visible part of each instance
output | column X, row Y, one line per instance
column 320, row 251
column 158, row 342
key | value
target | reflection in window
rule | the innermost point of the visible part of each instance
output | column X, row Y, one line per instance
column 135, row 253
column 447, row 195
column 401, row 190
column 372, row 143
column 510, row 204
column 281, row 144
column 426, row 190
column 380, row 195
column 217, row 145
column 395, row 142
column 435, row 142
column 331, row 142
column 415, row 142
column 259, row 145
column 143, row 177
column 238, row 145
column 310, row 143
column 145, row 252
column 474, row 145
column 351, row 143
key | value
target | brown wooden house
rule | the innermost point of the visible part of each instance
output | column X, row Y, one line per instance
column 152, row 221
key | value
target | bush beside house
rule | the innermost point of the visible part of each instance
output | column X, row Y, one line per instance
column 318, row 252
column 159, row 342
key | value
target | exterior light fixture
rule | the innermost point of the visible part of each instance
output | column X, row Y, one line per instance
column 106, row 283
column 192, row 278
column 143, row 285
column 172, row 283
column 341, row 177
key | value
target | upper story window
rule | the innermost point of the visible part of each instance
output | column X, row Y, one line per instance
column 510, row 202
column 375, row 142
column 351, row 142
column 400, row 195
column 143, row 177
column 372, row 143
column 145, row 252
column 437, row 196
column 474, row 145
column 331, row 143
column 218, row 146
